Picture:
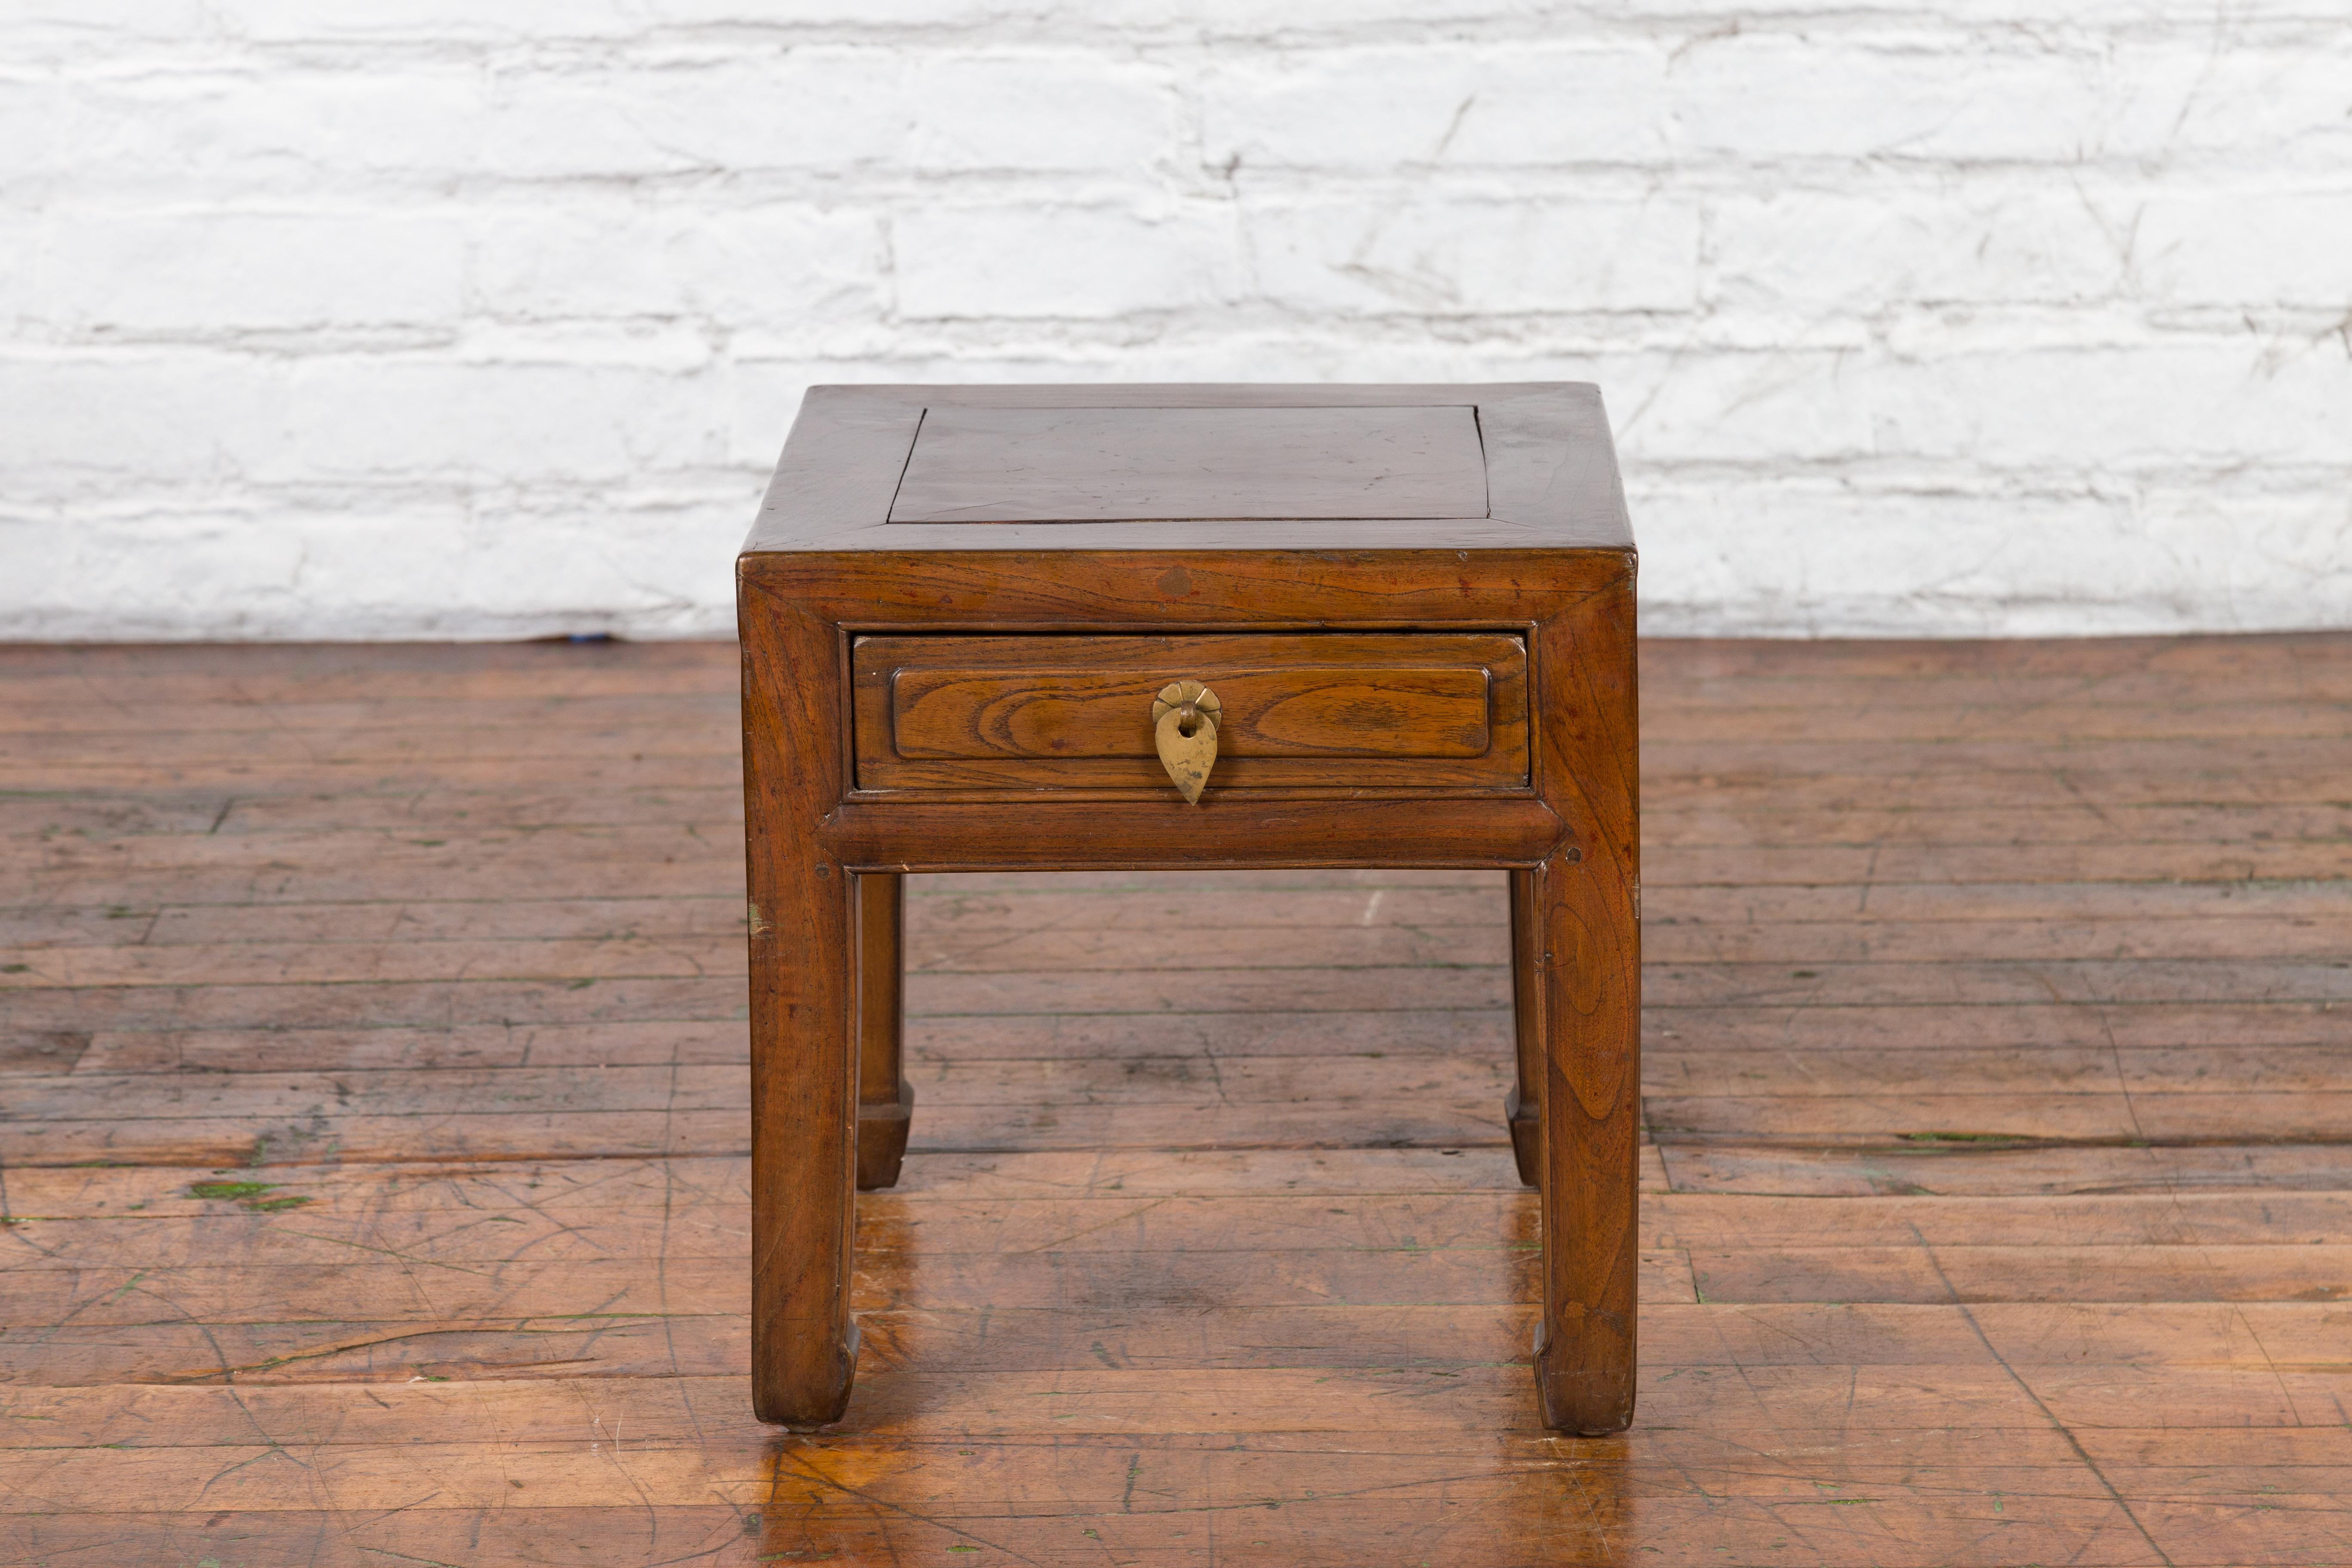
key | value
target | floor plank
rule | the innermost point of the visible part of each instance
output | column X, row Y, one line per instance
column 371, row 1141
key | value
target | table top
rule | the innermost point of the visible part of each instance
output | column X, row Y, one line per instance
column 1520, row 465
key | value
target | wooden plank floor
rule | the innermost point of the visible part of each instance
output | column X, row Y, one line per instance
column 374, row 1141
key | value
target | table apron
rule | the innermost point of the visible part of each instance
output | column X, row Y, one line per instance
column 1007, row 835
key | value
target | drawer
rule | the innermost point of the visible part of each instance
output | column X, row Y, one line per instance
column 1319, row 711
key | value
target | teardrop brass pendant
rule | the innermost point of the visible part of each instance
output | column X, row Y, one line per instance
column 1184, row 727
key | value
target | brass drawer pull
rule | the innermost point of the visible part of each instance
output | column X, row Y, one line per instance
column 1184, row 725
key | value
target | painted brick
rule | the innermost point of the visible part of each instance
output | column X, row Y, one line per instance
column 354, row 419
column 194, row 271
column 171, row 137
column 1822, row 560
column 1498, row 105
column 433, row 21
column 725, row 264
column 25, row 307
column 90, row 577
column 36, row 29
column 2196, row 404
column 965, row 116
column 713, row 114
column 1018, row 261
column 1472, row 258
column 30, row 116
column 1777, row 96
column 113, row 425
column 413, row 318
column 2228, row 247
column 2286, row 104
column 1810, row 250
column 1765, row 97
column 2145, row 409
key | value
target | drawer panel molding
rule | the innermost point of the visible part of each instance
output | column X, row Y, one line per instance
column 1440, row 711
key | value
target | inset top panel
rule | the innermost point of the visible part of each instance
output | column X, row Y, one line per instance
column 1118, row 465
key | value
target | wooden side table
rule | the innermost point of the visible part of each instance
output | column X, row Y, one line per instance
column 990, row 628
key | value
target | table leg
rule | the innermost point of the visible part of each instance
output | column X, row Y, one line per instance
column 803, row 1141
column 885, row 1101
column 1591, row 959
column 1522, row 1107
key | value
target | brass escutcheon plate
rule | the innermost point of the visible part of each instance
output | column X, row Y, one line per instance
column 1184, row 727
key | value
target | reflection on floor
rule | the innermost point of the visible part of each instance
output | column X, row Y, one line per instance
column 371, row 1055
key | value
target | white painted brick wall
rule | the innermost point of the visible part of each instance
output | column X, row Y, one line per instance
column 433, row 318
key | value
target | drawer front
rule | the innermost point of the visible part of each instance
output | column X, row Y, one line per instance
column 1445, row 710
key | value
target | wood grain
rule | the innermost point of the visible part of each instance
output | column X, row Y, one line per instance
column 885, row 1101
column 1085, row 463
column 983, row 658
column 2110, row 1332
column 1422, row 711
column 1550, row 480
